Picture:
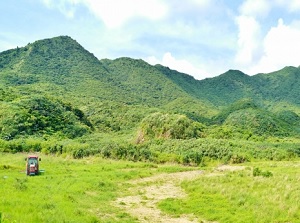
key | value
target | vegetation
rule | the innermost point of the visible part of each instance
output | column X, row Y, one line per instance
column 84, row 190
column 249, row 195
column 175, row 126
column 69, row 190
column 41, row 116
column 82, row 113
column 56, row 97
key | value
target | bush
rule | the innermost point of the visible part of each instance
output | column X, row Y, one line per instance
column 258, row 172
column 169, row 126
column 80, row 153
column 239, row 158
column 192, row 158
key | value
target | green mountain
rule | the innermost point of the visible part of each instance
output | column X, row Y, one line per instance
column 282, row 85
column 55, row 89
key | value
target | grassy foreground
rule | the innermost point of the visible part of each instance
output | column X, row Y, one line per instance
column 261, row 192
column 84, row 190
column 69, row 190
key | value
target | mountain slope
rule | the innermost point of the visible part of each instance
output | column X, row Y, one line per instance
column 282, row 85
column 105, row 90
column 233, row 85
column 57, row 56
column 62, row 61
column 117, row 94
column 147, row 85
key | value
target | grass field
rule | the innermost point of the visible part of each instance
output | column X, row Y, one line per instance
column 242, row 196
column 86, row 190
column 69, row 190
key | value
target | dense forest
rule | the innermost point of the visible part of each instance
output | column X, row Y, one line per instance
column 58, row 98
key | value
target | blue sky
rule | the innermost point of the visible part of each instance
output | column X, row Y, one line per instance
column 203, row 38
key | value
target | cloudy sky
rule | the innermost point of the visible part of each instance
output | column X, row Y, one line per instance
column 203, row 38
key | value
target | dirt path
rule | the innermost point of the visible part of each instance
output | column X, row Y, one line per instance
column 149, row 191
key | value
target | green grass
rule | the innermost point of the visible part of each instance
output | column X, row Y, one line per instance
column 69, row 190
column 84, row 190
column 241, row 197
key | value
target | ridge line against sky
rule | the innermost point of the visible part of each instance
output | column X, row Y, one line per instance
column 203, row 38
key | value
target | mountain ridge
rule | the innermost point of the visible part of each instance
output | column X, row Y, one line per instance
column 38, row 58
column 115, row 95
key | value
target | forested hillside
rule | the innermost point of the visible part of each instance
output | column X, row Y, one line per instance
column 57, row 97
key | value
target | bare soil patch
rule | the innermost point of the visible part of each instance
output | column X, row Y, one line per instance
column 147, row 192
column 230, row 168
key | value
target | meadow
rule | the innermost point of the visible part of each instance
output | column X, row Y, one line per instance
column 258, row 192
column 69, row 190
column 86, row 190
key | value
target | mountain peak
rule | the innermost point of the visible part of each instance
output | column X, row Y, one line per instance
column 234, row 74
column 59, row 43
column 59, row 55
column 53, row 40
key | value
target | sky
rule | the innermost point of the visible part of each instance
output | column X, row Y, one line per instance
column 203, row 38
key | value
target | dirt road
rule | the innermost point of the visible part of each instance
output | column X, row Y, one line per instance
column 149, row 191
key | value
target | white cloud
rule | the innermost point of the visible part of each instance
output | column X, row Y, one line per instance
column 113, row 13
column 281, row 48
column 248, row 39
column 180, row 65
column 66, row 7
column 202, row 3
column 255, row 8
column 294, row 5
column 291, row 5
column 249, row 44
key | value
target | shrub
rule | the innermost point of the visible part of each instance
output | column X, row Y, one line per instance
column 258, row 172
column 239, row 158
column 80, row 153
column 169, row 126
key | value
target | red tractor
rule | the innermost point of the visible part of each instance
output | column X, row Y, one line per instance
column 32, row 165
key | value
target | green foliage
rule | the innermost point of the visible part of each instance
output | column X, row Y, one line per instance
column 8, row 94
column 192, row 108
column 16, row 79
column 41, row 116
column 239, row 158
column 236, row 106
column 289, row 117
column 159, row 125
column 57, row 98
column 54, row 90
column 257, row 172
column 244, row 119
column 280, row 85
column 256, row 121
column 137, row 82
column 59, row 57
column 227, row 88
